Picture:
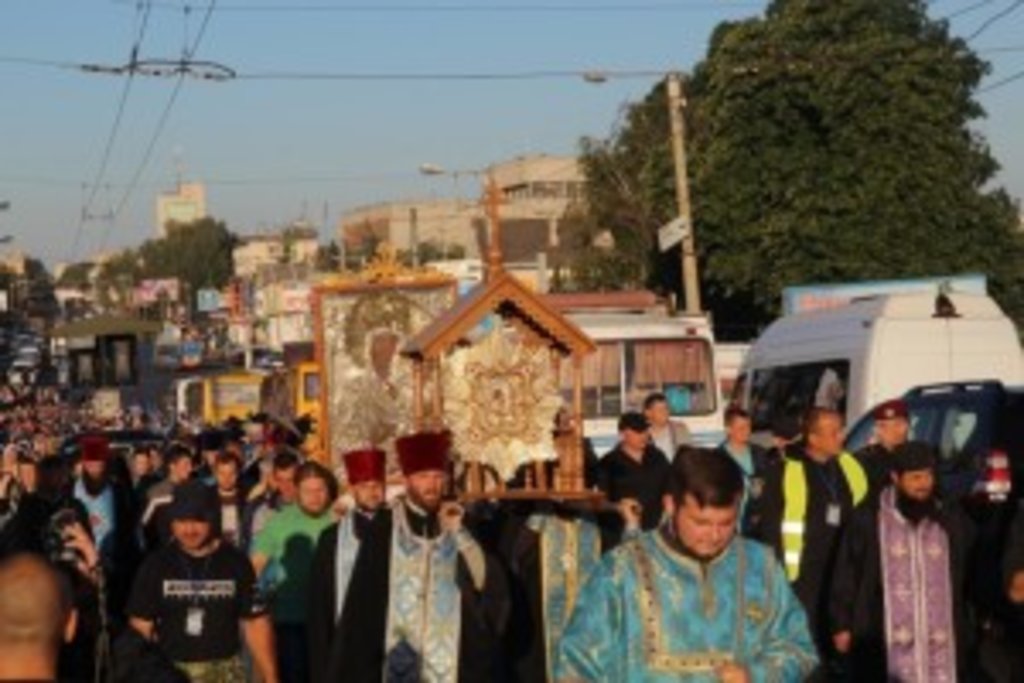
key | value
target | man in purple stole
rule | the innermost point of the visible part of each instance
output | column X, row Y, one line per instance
column 897, row 600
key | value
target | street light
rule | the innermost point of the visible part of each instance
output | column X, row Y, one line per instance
column 676, row 103
column 429, row 169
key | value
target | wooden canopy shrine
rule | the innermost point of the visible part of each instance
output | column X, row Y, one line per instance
column 534, row 324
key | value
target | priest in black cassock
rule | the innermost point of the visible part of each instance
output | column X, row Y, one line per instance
column 425, row 601
column 336, row 554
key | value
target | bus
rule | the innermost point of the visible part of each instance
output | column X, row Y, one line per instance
column 643, row 348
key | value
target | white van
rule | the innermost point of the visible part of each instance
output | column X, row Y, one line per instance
column 855, row 356
column 641, row 350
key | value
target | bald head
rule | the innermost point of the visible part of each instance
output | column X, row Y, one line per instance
column 35, row 605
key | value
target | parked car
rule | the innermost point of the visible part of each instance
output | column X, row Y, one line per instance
column 977, row 429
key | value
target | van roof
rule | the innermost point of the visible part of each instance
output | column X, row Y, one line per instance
column 915, row 306
column 852, row 318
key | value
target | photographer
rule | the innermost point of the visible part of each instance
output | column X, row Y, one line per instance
column 51, row 523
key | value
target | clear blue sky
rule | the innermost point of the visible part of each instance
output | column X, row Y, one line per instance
column 301, row 144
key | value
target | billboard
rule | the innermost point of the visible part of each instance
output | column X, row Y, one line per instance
column 209, row 300
column 816, row 297
column 156, row 290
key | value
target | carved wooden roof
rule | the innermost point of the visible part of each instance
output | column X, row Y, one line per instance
column 508, row 297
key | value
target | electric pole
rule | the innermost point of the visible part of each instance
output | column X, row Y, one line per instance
column 676, row 103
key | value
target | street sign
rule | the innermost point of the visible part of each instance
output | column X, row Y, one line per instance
column 672, row 233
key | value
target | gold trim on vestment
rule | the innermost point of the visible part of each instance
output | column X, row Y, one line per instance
column 655, row 653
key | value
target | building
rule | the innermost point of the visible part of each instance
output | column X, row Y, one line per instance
column 537, row 193
column 185, row 205
column 295, row 245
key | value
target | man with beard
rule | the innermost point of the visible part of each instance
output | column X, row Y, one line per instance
column 111, row 518
column 337, row 550
column 192, row 596
column 424, row 601
column 690, row 598
column 898, row 601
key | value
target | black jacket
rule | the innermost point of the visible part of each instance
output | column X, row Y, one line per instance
column 358, row 651
column 856, row 602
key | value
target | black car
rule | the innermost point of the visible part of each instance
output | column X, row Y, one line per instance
column 977, row 429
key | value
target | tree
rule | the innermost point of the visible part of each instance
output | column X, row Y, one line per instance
column 197, row 253
column 328, row 257
column 829, row 141
column 76, row 276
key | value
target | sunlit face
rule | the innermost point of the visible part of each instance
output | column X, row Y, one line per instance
column 191, row 534
column 180, row 470
column 425, row 489
column 738, row 430
column 226, row 474
column 657, row 414
column 706, row 531
column 314, row 496
column 141, row 465
column 916, row 485
column 284, row 484
column 827, row 436
column 891, row 433
column 369, row 495
column 634, row 441
column 94, row 469
column 1015, row 591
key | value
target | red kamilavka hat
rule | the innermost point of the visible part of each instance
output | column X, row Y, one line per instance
column 94, row 447
column 423, row 451
column 364, row 465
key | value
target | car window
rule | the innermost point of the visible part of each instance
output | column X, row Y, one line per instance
column 959, row 426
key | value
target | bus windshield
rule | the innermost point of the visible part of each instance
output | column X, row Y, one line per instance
column 623, row 373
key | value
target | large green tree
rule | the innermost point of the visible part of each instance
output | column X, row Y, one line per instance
column 197, row 253
column 829, row 141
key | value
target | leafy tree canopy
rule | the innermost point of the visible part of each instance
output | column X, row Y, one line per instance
column 828, row 141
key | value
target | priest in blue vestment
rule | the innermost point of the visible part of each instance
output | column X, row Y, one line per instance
column 690, row 600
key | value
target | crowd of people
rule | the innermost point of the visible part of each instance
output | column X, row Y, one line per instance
column 226, row 555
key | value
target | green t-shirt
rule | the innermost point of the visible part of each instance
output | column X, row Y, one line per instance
column 288, row 541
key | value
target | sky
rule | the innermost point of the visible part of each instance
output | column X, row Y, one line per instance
column 272, row 151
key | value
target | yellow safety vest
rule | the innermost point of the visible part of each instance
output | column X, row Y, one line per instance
column 794, row 489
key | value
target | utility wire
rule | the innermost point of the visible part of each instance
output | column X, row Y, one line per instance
column 1013, row 7
column 451, row 76
column 967, row 10
column 465, row 8
column 187, row 55
column 115, row 127
column 1012, row 78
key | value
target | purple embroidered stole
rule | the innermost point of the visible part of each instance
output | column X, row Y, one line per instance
column 918, row 594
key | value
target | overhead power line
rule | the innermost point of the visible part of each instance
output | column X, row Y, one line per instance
column 114, row 128
column 463, row 8
column 1012, row 78
column 187, row 55
column 967, row 10
column 995, row 18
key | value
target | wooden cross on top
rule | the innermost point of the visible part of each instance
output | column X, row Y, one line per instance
column 492, row 207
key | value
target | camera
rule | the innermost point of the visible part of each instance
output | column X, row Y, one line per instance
column 54, row 535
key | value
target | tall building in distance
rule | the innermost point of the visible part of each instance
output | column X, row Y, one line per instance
column 184, row 205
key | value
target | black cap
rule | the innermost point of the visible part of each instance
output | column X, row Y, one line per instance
column 634, row 422
column 194, row 500
column 913, row 456
column 210, row 440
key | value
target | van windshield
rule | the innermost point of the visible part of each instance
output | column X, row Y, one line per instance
column 622, row 373
column 787, row 392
